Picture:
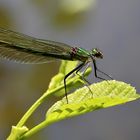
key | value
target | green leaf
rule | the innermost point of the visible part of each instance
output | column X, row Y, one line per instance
column 105, row 94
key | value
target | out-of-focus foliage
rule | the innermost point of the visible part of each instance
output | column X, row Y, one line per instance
column 66, row 12
column 5, row 19
column 76, row 6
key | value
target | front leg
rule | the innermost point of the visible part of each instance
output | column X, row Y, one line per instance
column 95, row 72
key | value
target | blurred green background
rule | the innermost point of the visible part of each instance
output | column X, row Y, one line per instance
column 113, row 26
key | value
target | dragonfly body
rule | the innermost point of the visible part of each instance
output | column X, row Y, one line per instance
column 26, row 49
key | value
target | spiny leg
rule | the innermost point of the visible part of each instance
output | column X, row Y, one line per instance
column 104, row 73
column 71, row 72
column 82, row 76
column 96, row 69
column 83, row 73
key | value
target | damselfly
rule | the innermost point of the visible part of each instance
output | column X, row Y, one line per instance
column 26, row 49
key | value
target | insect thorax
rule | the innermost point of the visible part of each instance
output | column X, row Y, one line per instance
column 79, row 54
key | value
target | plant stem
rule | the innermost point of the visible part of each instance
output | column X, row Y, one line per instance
column 35, row 130
column 36, row 105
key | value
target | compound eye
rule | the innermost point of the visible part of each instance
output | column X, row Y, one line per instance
column 97, row 53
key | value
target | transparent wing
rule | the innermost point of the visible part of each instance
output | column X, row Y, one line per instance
column 26, row 49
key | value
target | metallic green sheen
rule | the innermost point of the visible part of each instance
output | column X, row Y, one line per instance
column 82, row 52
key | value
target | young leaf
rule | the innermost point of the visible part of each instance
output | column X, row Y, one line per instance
column 104, row 94
column 73, row 81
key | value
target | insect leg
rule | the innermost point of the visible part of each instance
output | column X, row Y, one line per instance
column 71, row 72
column 96, row 69
column 82, row 76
